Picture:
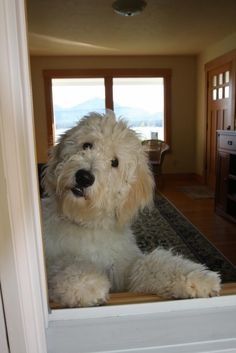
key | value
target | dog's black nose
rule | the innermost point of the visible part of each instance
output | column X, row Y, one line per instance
column 84, row 178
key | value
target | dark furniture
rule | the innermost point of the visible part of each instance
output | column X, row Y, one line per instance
column 225, row 198
column 156, row 150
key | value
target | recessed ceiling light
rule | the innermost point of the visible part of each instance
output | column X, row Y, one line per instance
column 129, row 7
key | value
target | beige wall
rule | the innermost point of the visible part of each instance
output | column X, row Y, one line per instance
column 182, row 157
column 224, row 46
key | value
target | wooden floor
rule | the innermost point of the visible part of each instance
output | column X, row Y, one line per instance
column 221, row 232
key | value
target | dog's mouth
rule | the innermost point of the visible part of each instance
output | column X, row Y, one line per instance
column 78, row 191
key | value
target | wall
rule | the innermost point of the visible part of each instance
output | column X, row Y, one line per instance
column 183, row 105
column 224, row 46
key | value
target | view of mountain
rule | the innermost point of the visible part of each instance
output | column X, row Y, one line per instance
column 67, row 117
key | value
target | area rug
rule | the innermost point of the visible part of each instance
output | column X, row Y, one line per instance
column 197, row 191
column 164, row 226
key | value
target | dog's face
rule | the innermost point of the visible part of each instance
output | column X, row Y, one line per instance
column 98, row 172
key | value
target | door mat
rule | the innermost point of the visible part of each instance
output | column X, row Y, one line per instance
column 197, row 192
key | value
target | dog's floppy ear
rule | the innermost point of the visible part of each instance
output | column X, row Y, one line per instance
column 140, row 195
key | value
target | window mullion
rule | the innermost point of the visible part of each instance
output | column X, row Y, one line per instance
column 108, row 80
column 167, row 109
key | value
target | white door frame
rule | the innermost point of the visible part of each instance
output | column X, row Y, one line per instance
column 3, row 331
column 21, row 269
column 182, row 326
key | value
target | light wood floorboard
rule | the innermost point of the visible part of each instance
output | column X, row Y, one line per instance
column 136, row 298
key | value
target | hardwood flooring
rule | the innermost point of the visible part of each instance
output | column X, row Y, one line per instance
column 219, row 231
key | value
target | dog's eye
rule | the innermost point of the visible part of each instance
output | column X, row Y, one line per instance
column 87, row 145
column 114, row 163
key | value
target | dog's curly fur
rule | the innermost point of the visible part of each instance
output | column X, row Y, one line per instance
column 97, row 179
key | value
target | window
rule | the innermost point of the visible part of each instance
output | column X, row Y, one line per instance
column 141, row 101
column 73, row 98
column 142, row 97
column 220, row 85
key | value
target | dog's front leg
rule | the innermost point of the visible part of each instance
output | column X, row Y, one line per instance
column 168, row 275
column 76, row 284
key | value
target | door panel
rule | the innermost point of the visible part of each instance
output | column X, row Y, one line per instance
column 222, row 180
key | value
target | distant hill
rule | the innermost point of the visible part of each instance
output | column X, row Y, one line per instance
column 67, row 117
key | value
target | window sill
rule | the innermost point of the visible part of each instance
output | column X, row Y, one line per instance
column 196, row 326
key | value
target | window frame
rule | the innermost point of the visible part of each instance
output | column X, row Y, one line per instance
column 108, row 75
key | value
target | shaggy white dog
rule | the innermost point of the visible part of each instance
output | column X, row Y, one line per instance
column 97, row 179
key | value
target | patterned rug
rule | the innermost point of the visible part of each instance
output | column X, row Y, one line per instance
column 166, row 227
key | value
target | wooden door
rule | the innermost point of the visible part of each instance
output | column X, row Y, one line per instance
column 219, row 113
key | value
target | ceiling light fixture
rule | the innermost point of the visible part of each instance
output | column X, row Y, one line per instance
column 129, row 7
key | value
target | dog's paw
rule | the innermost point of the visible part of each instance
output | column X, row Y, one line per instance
column 199, row 284
column 92, row 290
column 79, row 289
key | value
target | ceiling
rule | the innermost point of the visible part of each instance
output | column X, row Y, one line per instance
column 165, row 27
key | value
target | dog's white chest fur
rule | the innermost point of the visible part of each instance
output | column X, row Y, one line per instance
column 112, row 251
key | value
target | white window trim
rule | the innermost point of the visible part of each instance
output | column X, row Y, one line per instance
column 201, row 325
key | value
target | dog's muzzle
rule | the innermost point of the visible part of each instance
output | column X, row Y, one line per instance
column 83, row 179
